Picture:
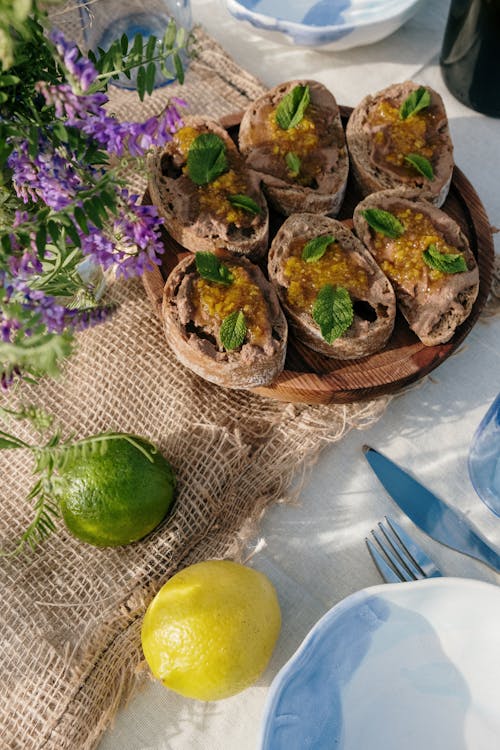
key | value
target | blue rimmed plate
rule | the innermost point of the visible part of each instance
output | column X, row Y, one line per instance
column 325, row 24
column 411, row 665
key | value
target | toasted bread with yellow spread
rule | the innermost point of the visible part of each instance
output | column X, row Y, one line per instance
column 427, row 258
column 337, row 300
column 399, row 137
column 223, row 320
column 206, row 194
column 292, row 136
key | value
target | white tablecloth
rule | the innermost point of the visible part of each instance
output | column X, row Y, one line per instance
column 315, row 552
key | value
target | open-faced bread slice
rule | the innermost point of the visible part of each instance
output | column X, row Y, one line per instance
column 205, row 329
column 329, row 284
column 226, row 210
column 412, row 240
column 304, row 166
column 399, row 137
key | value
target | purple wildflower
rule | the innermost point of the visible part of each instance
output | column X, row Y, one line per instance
column 79, row 67
column 135, row 245
column 137, row 137
column 48, row 176
column 18, row 287
column 70, row 105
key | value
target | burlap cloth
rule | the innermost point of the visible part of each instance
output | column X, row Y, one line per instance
column 71, row 613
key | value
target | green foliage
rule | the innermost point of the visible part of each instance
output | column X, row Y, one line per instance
column 333, row 312
column 245, row 203
column 206, row 159
column 418, row 99
column 124, row 55
column 316, row 248
column 383, row 222
column 233, row 330
column 210, row 268
column 421, row 164
column 293, row 164
column 444, row 262
column 291, row 109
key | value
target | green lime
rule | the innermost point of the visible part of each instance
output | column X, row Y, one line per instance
column 117, row 496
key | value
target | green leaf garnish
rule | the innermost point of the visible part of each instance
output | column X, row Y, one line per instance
column 292, row 107
column 333, row 311
column 210, row 268
column 421, row 164
column 383, row 222
column 233, row 330
column 316, row 248
column 206, row 159
column 293, row 164
column 444, row 262
column 417, row 100
column 244, row 202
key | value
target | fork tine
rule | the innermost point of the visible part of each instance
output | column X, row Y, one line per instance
column 384, row 568
column 397, row 556
column 393, row 553
column 402, row 553
column 426, row 565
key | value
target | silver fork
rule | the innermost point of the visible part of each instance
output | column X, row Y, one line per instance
column 397, row 557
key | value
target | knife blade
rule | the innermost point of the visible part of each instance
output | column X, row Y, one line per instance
column 431, row 514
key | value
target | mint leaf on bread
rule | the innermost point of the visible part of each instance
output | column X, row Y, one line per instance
column 421, row 164
column 418, row 99
column 292, row 107
column 293, row 164
column 233, row 330
column 316, row 248
column 245, row 203
column 333, row 311
column 383, row 222
column 444, row 262
column 211, row 269
column 206, row 159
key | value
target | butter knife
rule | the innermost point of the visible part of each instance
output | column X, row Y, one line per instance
column 441, row 522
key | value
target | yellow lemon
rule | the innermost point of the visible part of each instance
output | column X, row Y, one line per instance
column 211, row 629
column 117, row 496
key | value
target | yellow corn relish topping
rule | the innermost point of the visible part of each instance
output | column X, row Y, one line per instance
column 184, row 137
column 301, row 139
column 216, row 301
column 405, row 136
column 306, row 279
column 214, row 196
column 401, row 258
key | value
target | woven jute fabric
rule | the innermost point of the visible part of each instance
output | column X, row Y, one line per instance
column 71, row 613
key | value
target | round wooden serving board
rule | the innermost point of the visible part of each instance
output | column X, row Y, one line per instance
column 310, row 377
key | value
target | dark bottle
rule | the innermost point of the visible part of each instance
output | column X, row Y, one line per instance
column 470, row 57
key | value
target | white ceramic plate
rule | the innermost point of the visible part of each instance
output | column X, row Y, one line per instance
column 325, row 24
column 410, row 666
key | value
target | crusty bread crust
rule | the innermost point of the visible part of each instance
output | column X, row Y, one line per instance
column 435, row 314
column 373, row 177
column 364, row 336
column 177, row 200
column 286, row 195
column 247, row 367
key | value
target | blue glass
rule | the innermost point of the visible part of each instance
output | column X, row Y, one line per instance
column 106, row 21
column 484, row 458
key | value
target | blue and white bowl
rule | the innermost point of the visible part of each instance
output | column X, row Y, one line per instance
column 330, row 25
column 410, row 666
